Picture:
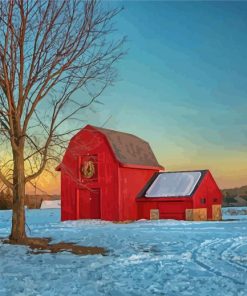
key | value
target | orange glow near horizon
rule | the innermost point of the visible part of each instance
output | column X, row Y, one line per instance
column 229, row 169
column 45, row 184
column 228, row 173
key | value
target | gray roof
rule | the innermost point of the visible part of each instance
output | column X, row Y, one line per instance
column 130, row 149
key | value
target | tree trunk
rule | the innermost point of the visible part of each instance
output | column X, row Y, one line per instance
column 18, row 232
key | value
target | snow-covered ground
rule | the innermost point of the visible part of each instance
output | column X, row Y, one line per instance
column 238, row 213
column 168, row 258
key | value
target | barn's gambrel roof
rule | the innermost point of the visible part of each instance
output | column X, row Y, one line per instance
column 129, row 149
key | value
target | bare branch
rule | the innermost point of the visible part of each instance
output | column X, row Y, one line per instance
column 56, row 58
column 5, row 180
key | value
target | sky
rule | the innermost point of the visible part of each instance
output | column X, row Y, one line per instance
column 183, row 85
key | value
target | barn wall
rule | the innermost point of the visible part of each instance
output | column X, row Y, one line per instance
column 69, row 179
column 169, row 208
column 75, row 191
column 68, row 201
column 131, row 182
column 109, row 186
column 207, row 195
column 201, row 194
column 214, row 190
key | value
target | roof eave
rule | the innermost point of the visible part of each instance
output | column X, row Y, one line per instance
column 165, row 198
column 138, row 166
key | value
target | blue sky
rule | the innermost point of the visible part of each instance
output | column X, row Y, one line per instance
column 183, row 84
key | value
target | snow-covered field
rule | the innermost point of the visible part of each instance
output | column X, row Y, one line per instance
column 145, row 258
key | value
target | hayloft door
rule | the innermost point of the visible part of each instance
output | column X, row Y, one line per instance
column 95, row 203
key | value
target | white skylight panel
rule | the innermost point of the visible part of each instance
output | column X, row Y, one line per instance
column 173, row 184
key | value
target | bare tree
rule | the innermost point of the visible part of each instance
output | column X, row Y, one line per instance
column 56, row 58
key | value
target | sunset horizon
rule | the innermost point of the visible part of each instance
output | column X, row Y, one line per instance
column 182, row 87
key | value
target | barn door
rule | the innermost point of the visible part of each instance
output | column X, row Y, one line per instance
column 95, row 203
column 83, row 204
column 88, row 204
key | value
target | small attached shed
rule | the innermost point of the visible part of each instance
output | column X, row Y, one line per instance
column 187, row 195
column 102, row 173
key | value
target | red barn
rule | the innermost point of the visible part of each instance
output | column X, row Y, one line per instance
column 191, row 195
column 102, row 173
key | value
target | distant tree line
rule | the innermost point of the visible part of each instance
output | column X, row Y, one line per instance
column 6, row 200
column 31, row 201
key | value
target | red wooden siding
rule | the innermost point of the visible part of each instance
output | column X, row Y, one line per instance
column 131, row 182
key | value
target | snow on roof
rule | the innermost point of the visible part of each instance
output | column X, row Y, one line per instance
column 51, row 204
column 173, row 184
